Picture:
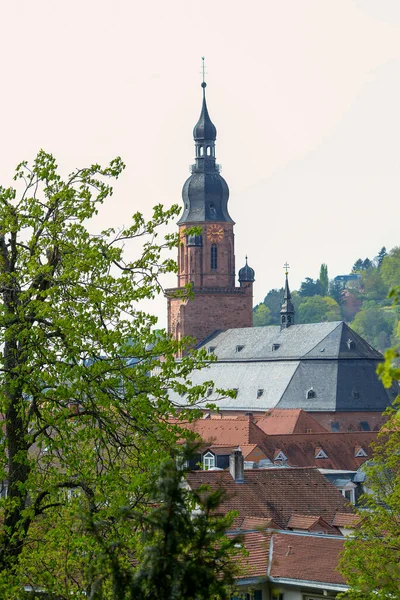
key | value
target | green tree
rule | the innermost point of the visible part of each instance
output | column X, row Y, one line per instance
column 375, row 325
column 273, row 300
column 261, row 315
column 336, row 291
column 309, row 288
column 85, row 394
column 358, row 265
column 381, row 255
column 317, row 309
column 323, row 280
column 373, row 285
column 371, row 558
column 390, row 267
column 185, row 552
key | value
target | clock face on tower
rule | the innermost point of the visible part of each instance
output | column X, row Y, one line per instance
column 215, row 233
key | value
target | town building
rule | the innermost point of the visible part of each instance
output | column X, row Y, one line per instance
column 324, row 368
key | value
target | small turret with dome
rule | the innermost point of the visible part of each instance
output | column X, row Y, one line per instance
column 287, row 310
column 246, row 274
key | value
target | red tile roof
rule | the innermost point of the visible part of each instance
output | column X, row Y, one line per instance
column 306, row 558
column 249, row 523
column 301, row 449
column 226, row 431
column 275, row 493
column 255, row 564
column 345, row 520
column 279, row 421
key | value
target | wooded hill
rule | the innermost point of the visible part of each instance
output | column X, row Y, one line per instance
column 363, row 303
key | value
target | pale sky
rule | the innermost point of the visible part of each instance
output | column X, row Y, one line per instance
column 305, row 95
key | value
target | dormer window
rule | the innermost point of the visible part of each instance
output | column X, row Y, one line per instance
column 208, row 461
column 355, row 394
column 235, row 392
column 350, row 344
column 260, row 392
column 239, row 348
column 209, row 392
column 319, row 453
column 275, row 347
column 359, row 452
column 280, row 455
column 211, row 349
column 310, row 394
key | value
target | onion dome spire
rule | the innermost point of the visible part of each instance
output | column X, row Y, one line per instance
column 204, row 130
column 205, row 194
column 287, row 310
column 246, row 274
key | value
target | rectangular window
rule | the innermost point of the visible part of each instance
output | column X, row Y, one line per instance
column 214, row 257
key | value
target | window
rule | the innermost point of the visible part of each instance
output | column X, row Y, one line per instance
column 239, row 348
column 275, row 347
column 365, row 426
column 319, row 453
column 355, row 394
column 210, row 349
column 360, row 453
column 335, row 426
column 349, row 495
column 280, row 456
column 208, row 461
column 350, row 344
column 201, row 150
column 209, row 392
column 277, row 596
column 214, row 257
column 236, row 391
column 310, row 394
column 260, row 392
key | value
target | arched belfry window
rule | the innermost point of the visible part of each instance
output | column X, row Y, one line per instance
column 214, row 257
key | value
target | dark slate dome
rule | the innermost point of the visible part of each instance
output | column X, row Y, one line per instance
column 205, row 198
column 246, row 274
column 204, row 128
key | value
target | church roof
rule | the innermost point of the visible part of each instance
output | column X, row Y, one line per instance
column 316, row 367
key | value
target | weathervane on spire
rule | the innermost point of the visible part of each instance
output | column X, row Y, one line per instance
column 286, row 266
column 203, row 70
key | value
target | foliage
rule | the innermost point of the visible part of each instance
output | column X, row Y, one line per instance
column 371, row 558
column 273, row 301
column 185, row 552
column 381, row 255
column 261, row 315
column 390, row 267
column 318, row 308
column 309, row 288
column 85, row 394
column 375, row 325
column 323, row 280
column 336, row 291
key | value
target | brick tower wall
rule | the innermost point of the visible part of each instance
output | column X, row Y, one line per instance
column 209, row 310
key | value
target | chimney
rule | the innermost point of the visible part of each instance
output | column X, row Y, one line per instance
column 236, row 466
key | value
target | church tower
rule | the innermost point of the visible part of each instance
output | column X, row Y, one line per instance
column 206, row 256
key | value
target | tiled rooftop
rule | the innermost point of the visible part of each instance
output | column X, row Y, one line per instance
column 275, row 494
column 306, row 558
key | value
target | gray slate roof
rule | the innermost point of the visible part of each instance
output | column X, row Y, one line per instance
column 329, row 358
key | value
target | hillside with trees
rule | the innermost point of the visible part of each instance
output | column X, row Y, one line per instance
column 360, row 298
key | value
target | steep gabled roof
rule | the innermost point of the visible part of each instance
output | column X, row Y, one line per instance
column 227, row 431
column 296, row 420
column 275, row 493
